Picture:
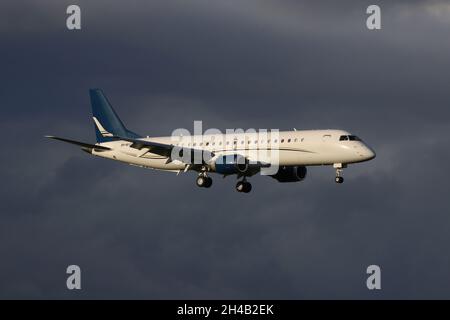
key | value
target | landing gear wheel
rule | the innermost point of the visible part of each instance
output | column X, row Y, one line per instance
column 208, row 182
column 339, row 179
column 243, row 186
column 201, row 181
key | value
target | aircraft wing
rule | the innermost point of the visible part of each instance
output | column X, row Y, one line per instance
column 161, row 149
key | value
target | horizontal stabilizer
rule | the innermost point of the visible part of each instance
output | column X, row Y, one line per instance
column 81, row 144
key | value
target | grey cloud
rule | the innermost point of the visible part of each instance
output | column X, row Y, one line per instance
column 279, row 64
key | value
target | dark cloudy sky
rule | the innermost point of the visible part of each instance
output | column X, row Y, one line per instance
column 139, row 233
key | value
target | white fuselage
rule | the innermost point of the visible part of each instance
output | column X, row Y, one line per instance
column 292, row 148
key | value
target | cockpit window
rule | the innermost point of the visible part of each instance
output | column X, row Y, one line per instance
column 351, row 138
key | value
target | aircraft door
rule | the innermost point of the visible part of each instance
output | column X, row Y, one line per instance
column 326, row 138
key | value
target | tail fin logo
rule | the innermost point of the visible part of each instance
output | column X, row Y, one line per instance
column 100, row 128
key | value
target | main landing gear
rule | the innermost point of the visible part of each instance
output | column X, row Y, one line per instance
column 203, row 181
column 339, row 169
column 243, row 186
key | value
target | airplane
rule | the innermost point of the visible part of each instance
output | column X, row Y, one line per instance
column 225, row 154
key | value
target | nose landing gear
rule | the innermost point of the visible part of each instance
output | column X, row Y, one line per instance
column 339, row 179
column 339, row 169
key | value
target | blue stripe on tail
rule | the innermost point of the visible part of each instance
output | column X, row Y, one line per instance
column 105, row 114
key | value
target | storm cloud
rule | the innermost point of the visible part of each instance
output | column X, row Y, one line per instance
column 140, row 233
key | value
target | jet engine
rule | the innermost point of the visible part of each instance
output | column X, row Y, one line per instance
column 290, row 174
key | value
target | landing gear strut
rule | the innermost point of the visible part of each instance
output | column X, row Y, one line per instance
column 339, row 169
column 203, row 181
column 243, row 186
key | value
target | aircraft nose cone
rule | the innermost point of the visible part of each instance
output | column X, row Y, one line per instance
column 370, row 153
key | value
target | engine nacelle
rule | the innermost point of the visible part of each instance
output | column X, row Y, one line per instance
column 290, row 174
column 230, row 164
